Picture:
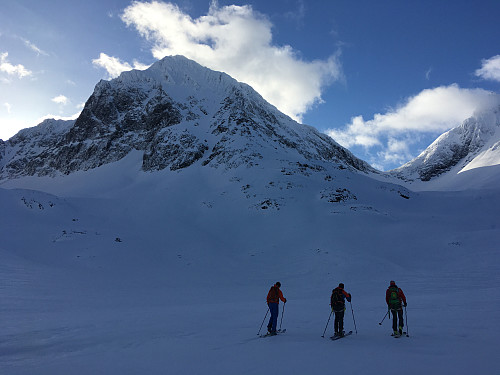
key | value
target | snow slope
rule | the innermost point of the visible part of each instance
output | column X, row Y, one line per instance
column 129, row 272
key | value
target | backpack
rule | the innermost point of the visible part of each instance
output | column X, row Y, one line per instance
column 394, row 300
column 274, row 294
column 337, row 299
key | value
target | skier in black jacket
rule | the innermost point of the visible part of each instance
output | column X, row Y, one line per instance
column 337, row 301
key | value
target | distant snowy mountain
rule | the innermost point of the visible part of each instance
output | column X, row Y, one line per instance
column 176, row 113
column 454, row 160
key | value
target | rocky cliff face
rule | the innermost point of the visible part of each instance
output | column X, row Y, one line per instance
column 177, row 113
column 458, row 149
column 17, row 154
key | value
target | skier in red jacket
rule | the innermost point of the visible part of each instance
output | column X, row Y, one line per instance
column 273, row 298
column 396, row 299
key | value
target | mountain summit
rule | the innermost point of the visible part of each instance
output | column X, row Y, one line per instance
column 459, row 152
column 177, row 113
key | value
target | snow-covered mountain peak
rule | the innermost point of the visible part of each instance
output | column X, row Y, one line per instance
column 474, row 144
column 178, row 113
column 182, row 79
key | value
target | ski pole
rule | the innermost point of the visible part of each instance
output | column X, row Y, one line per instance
column 406, row 318
column 384, row 318
column 354, row 320
column 331, row 312
column 263, row 321
column 282, row 313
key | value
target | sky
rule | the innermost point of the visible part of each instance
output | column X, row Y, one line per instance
column 383, row 78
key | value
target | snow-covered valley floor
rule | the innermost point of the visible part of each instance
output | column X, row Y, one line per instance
column 163, row 283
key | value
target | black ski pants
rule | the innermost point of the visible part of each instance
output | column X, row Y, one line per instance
column 395, row 315
column 339, row 321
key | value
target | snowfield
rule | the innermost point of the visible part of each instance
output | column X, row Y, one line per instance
column 119, row 271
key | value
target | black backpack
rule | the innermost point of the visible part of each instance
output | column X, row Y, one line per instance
column 337, row 299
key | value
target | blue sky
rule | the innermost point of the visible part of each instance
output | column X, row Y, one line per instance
column 384, row 78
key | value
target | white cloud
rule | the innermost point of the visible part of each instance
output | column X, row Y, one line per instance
column 7, row 67
column 9, row 126
column 428, row 74
column 34, row 48
column 115, row 66
column 8, row 107
column 397, row 151
column 490, row 69
column 238, row 41
column 60, row 99
column 432, row 111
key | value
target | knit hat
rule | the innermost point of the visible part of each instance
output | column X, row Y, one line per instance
column 393, row 283
column 341, row 285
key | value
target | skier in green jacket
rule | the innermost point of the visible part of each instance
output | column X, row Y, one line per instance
column 396, row 299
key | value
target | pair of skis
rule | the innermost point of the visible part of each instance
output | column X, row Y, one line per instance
column 333, row 338
column 397, row 336
column 340, row 337
column 278, row 332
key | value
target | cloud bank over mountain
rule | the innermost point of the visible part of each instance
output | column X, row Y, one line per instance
column 431, row 111
column 236, row 40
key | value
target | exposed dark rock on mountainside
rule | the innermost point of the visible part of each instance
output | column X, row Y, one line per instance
column 177, row 113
